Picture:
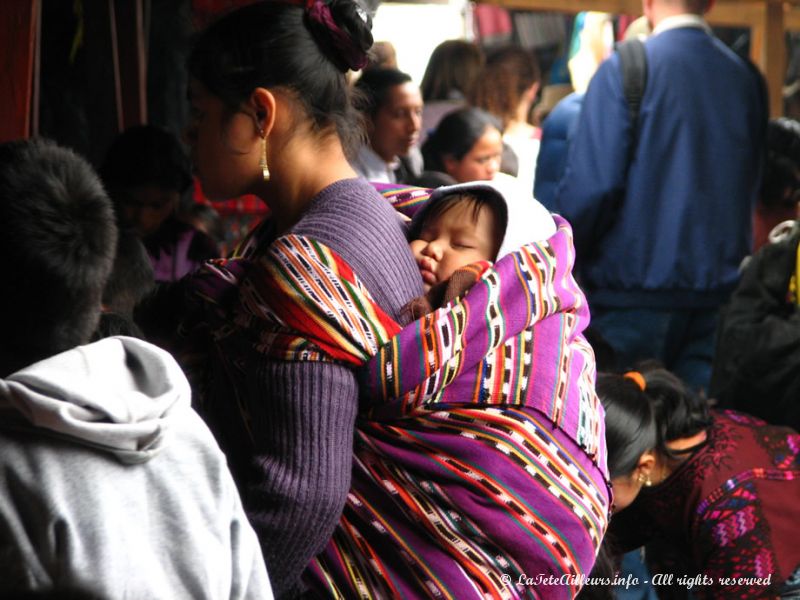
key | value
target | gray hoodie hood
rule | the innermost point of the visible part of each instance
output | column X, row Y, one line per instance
column 117, row 395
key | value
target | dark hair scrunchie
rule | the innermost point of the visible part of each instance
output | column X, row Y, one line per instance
column 351, row 55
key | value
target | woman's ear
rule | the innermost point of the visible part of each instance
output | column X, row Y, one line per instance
column 263, row 106
column 646, row 466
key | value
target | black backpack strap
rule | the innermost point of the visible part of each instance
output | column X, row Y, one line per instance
column 633, row 61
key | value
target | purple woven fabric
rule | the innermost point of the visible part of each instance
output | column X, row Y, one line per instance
column 480, row 450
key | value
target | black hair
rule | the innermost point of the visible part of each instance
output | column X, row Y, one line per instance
column 639, row 420
column 278, row 44
column 781, row 178
column 455, row 136
column 58, row 237
column 131, row 277
column 477, row 201
column 630, row 422
column 374, row 86
column 146, row 155
column 454, row 66
column 680, row 412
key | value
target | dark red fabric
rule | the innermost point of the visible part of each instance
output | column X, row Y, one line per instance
column 731, row 510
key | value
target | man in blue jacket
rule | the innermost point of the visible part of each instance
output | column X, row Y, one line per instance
column 558, row 129
column 662, row 215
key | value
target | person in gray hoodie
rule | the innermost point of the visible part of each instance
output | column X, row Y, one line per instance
column 109, row 481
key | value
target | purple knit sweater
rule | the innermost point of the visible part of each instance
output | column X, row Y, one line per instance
column 295, row 482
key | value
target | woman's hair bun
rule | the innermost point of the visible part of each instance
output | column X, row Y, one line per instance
column 343, row 29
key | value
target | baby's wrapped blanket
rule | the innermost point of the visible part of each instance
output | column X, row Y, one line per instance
column 479, row 456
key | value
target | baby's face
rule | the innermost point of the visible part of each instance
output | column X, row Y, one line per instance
column 453, row 240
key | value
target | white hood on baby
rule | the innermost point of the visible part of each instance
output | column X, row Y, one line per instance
column 528, row 220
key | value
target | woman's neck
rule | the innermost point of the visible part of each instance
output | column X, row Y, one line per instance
column 299, row 174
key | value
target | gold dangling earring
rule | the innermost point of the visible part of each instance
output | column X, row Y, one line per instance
column 263, row 162
column 646, row 481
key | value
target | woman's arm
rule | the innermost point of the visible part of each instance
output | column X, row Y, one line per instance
column 303, row 418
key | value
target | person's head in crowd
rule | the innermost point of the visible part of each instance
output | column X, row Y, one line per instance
column 146, row 171
column 58, row 236
column 382, row 56
column 657, row 10
column 780, row 183
column 392, row 107
column 508, row 84
column 781, row 180
column 452, row 71
column 460, row 225
column 647, row 411
column 271, row 101
column 467, row 145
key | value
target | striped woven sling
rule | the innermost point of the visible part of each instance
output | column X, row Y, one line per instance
column 479, row 456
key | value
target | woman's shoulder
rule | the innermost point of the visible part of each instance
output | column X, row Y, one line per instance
column 351, row 207
column 355, row 221
column 741, row 449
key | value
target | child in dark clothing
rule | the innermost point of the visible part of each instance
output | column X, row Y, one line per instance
column 146, row 171
column 465, row 224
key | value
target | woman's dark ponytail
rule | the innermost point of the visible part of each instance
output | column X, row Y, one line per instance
column 679, row 411
column 631, row 428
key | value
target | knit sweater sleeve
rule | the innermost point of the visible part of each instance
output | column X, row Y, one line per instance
column 300, row 468
column 303, row 413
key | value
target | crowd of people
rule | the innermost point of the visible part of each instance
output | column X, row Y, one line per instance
column 413, row 379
